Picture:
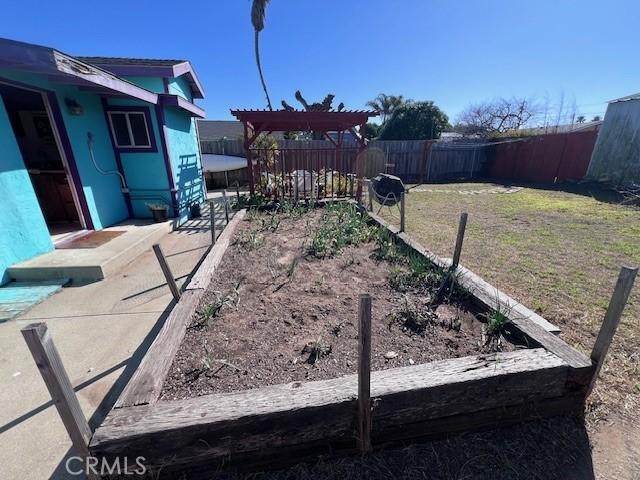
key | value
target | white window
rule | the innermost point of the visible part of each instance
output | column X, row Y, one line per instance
column 130, row 129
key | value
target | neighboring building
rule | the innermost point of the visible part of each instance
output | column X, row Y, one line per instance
column 139, row 115
column 211, row 130
column 616, row 155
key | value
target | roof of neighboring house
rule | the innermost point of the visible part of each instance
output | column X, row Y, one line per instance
column 218, row 129
column 635, row 96
column 151, row 67
column 570, row 127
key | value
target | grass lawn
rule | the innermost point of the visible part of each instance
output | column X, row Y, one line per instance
column 557, row 252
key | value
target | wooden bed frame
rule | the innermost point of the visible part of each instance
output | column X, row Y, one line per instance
column 283, row 424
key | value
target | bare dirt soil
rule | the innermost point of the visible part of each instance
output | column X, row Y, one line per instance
column 285, row 315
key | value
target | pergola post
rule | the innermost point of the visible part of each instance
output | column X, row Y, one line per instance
column 362, row 143
column 247, row 149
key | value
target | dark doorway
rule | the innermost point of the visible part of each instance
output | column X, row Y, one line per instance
column 41, row 154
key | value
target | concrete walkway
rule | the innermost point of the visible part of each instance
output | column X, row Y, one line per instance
column 101, row 330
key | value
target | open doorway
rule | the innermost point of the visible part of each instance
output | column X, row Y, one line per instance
column 39, row 144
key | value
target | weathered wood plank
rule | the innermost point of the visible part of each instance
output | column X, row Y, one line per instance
column 214, row 427
column 146, row 383
column 203, row 277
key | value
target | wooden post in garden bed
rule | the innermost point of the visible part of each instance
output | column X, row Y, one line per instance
column 212, row 220
column 364, row 373
column 55, row 377
column 166, row 270
column 611, row 321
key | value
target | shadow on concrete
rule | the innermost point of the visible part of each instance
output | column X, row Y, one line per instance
column 114, row 392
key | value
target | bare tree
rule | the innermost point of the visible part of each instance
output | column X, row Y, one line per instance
column 497, row 116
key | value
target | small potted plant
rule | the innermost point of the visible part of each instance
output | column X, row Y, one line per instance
column 159, row 211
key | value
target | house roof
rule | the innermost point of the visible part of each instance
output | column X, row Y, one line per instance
column 152, row 62
column 635, row 96
column 65, row 69
column 150, row 67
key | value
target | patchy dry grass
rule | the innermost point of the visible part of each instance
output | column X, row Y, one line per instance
column 558, row 253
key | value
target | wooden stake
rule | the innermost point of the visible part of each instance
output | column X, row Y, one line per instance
column 167, row 272
column 402, row 210
column 226, row 207
column 369, row 194
column 238, row 192
column 212, row 220
column 458, row 249
column 364, row 373
column 611, row 320
column 55, row 377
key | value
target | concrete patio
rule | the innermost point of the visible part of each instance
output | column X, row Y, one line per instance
column 92, row 264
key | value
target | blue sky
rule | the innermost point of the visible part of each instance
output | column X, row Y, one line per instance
column 450, row 52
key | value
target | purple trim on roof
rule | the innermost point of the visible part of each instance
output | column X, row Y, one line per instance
column 169, row 100
column 116, row 153
column 58, row 123
column 45, row 60
column 147, row 115
column 167, row 158
column 172, row 71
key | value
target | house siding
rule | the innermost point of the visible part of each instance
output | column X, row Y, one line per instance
column 616, row 155
column 182, row 143
column 179, row 86
column 24, row 231
column 145, row 172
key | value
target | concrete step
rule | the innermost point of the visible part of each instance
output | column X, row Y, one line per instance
column 93, row 264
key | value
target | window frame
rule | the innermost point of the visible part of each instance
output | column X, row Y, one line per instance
column 123, row 109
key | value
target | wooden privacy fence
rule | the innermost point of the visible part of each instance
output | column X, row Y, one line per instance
column 543, row 158
column 553, row 157
column 413, row 161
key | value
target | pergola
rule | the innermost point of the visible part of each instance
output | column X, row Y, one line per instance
column 256, row 122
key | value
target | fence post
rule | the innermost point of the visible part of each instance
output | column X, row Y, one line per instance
column 402, row 209
column 55, row 377
column 167, row 272
column 226, row 207
column 611, row 320
column 458, row 248
column 364, row 373
column 212, row 220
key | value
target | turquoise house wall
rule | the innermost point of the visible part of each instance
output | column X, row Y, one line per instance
column 179, row 86
column 24, row 231
column 145, row 171
column 185, row 157
column 103, row 192
column 153, row 84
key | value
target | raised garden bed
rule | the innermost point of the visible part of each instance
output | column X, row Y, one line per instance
column 256, row 364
